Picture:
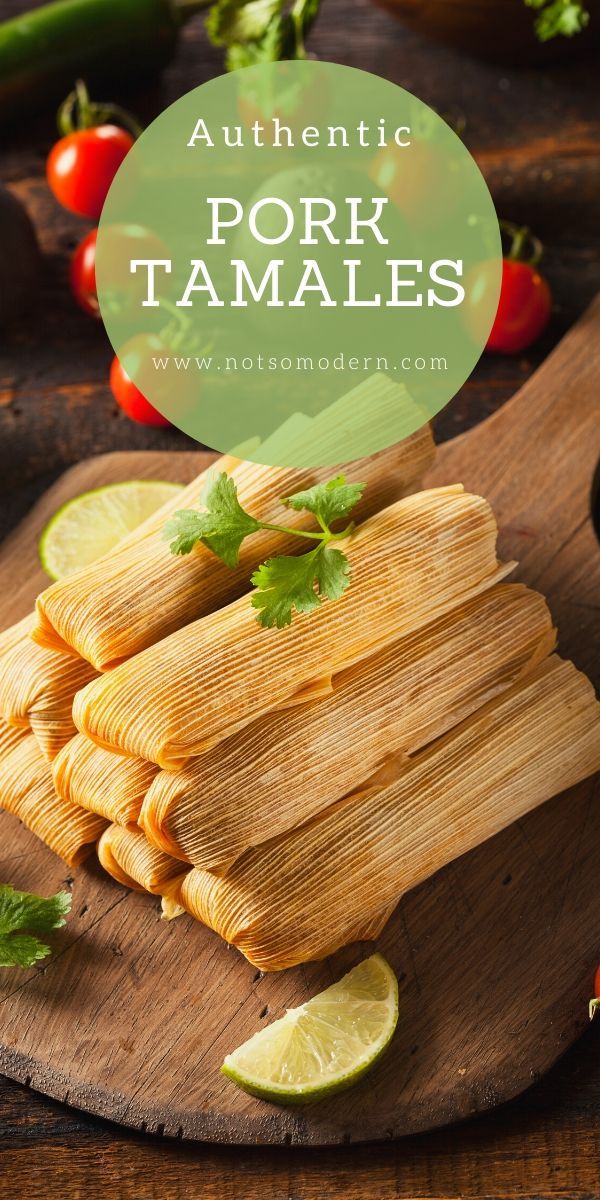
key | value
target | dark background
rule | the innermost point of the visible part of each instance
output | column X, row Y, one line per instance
column 535, row 135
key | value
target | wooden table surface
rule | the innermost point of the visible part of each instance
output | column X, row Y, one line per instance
column 535, row 135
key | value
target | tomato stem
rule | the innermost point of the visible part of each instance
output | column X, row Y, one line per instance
column 176, row 334
column 594, row 1007
column 78, row 112
column 522, row 239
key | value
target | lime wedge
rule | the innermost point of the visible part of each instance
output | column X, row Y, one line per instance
column 92, row 524
column 324, row 1045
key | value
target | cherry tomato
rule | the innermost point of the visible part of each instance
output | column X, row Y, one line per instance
column 121, row 244
column 595, row 1001
column 82, row 166
column 523, row 309
column 413, row 177
column 137, row 357
column 82, row 275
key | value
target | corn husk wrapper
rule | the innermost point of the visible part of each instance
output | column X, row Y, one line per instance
column 292, row 899
column 27, row 791
column 367, row 414
column 286, row 767
column 132, row 861
column 105, row 783
column 37, row 687
column 10, row 737
column 15, row 634
column 410, row 563
column 148, row 593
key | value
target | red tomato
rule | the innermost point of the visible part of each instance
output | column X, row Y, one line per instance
column 413, row 177
column 121, row 244
column 597, row 983
column 82, row 166
column 137, row 355
column 82, row 275
column 523, row 309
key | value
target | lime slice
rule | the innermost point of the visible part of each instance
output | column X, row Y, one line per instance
column 92, row 524
column 324, row 1045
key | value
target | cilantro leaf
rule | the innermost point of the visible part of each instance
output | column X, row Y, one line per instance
column 328, row 501
column 558, row 18
column 231, row 21
column 22, row 950
column 186, row 528
column 22, row 911
column 222, row 528
column 333, row 573
column 287, row 583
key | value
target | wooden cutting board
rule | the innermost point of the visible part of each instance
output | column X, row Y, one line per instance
column 131, row 1018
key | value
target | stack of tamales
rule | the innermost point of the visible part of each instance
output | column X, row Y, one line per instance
column 287, row 786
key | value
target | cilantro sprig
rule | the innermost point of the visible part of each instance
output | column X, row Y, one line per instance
column 259, row 31
column 23, row 915
column 286, row 583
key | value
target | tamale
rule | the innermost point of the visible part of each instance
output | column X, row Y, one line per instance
column 131, row 860
column 279, row 771
column 411, row 563
column 37, row 687
column 105, row 783
column 147, row 593
column 291, row 900
column 366, row 417
column 128, row 857
column 27, row 791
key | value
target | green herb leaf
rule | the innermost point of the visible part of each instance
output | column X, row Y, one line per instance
column 558, row 18
column 328, row 501
column 231, row 21
column 286, row 584
column 256, row 31
column 21, row 911
column 186, row 528
column 333, row 575
column 222, row 528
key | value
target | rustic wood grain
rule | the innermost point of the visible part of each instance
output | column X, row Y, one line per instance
column 543, row 1146
column 131, row 1019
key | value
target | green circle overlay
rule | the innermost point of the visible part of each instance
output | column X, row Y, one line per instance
column 333, row 263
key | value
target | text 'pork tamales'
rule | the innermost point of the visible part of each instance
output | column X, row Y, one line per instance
column 37, row 687
column 279, row 771
column 108, row 784
column 146, row 593
column 411, row 563
column 293, row 899
column 132, row 861
column 27, row 791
